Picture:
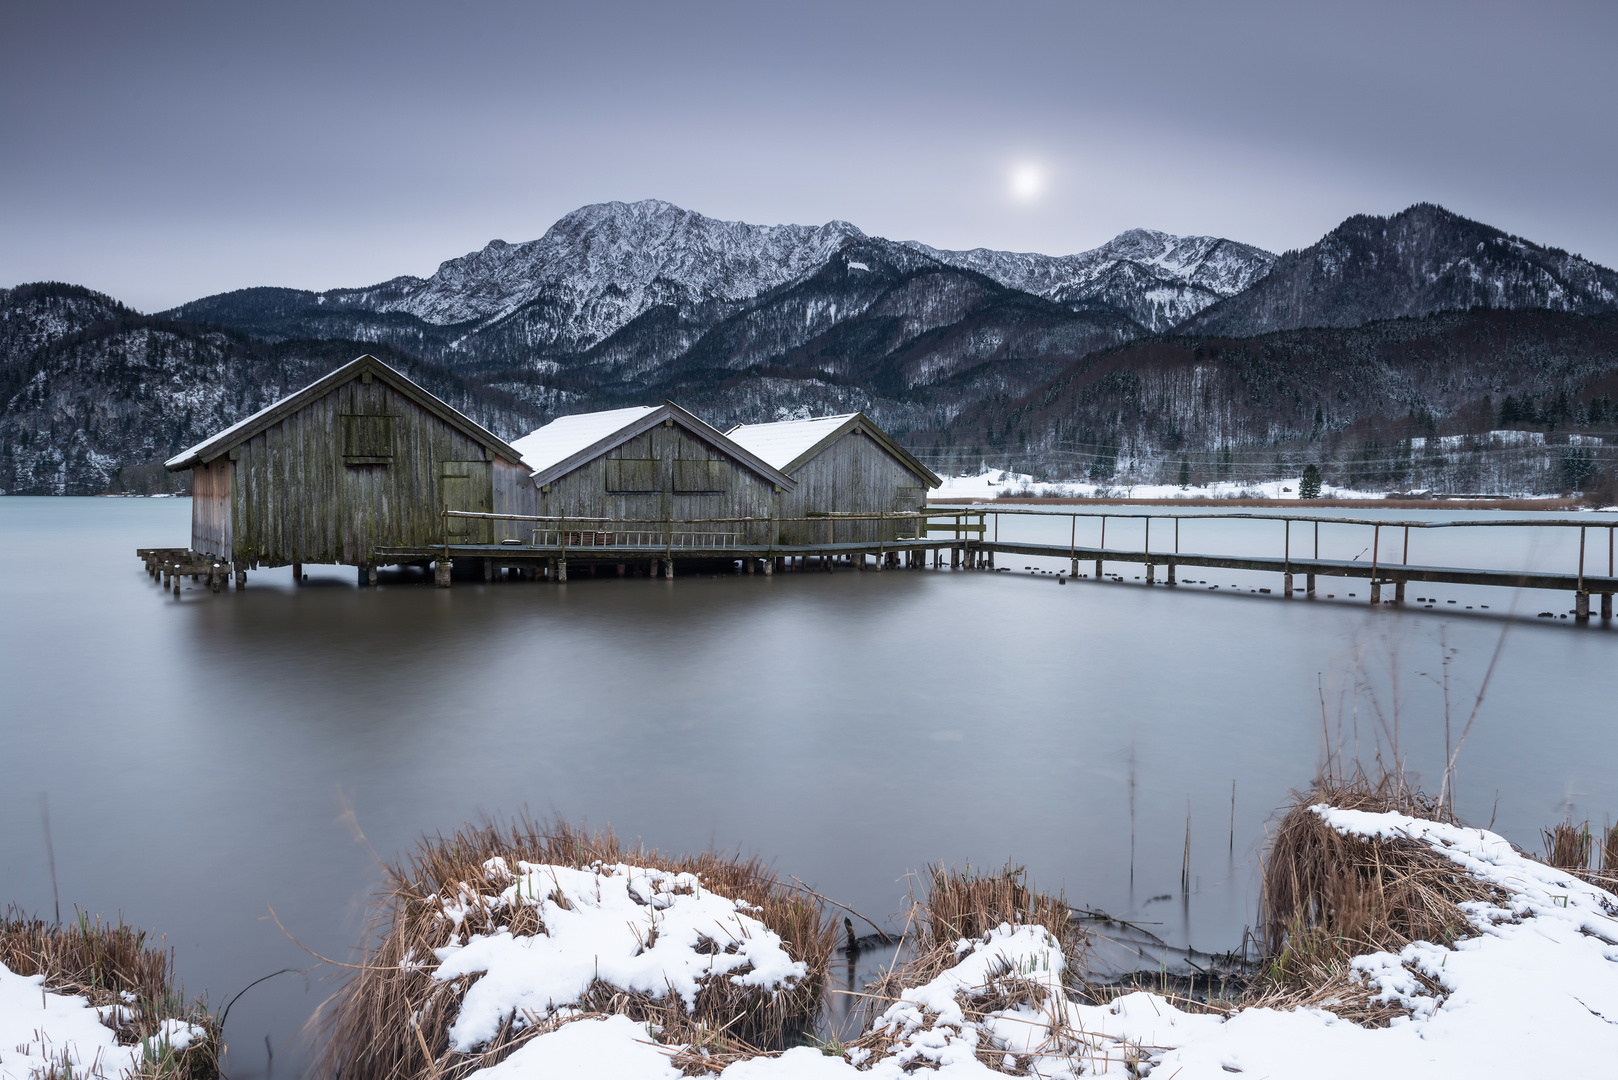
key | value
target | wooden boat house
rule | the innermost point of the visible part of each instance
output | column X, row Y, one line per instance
column 651, row 464
column 843, row 465
column 359, row 460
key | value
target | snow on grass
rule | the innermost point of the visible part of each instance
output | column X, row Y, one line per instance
column 644, row 931
column 42, row 1031
column 1536, row 987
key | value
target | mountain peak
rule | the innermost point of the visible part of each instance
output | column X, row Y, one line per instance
column 1420, row 261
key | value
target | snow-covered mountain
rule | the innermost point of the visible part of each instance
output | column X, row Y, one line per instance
column 1420, row 261
column 549, row 302
column 1155, row 278
column 602, row 265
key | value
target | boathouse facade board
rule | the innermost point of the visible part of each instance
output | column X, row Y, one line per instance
column 843, row 465
column 652, row 464
column 361, row 459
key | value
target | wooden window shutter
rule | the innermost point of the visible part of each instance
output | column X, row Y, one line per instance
column 367, row 439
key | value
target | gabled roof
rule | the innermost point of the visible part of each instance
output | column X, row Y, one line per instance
column 790, row 444
column 567, row 435
column 239, row 432
column 557, row 453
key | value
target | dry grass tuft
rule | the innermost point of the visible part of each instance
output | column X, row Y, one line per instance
column 371, row 1034
column 114, row 965
column 962, row 906
column 1328, row 897
column 1567, row 845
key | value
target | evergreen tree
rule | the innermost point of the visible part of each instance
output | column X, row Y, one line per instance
column 1309, row 487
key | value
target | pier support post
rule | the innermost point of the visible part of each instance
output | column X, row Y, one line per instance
column 561, row 570
column 954, row 558
column 241, row 576
column 1171, row 573
column 1075, row 571
column 1606, row 607
column 488, row 569
column 747, row 566
column 1376, row 592
column 622, row 569
column 441, row 569
column 297, row 572
column 1309, row 586
column 1398, row 592
column 668, row 570
column 991, row 558
column 1098, row 569
column 880, row 559
column 1151, row 574
column 769, row 567
column 359, row 574
column 1286, row 586
column 1581, row 606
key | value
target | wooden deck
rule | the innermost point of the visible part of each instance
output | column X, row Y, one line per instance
column 962, row 537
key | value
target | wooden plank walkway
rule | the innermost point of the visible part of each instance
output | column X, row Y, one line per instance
column 962, row 536
column 1384, row 572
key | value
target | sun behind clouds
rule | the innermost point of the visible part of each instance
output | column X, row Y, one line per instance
column 1027, row 181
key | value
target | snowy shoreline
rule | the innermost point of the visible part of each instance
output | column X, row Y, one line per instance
column 602, row 970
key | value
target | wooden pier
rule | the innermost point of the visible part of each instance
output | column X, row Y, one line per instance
column 961, row 538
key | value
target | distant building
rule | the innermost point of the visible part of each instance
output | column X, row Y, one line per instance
column 651, row 463
column 843, row 465
column 359, row 460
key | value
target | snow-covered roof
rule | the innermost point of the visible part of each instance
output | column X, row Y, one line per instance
column 783, row 443
column 239, row 432
column 788, row 444
column 567, row 435
column 568, row 442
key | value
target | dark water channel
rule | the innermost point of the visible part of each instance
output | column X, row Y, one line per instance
column 199, row 753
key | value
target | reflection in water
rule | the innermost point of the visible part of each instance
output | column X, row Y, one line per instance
column 850, row 727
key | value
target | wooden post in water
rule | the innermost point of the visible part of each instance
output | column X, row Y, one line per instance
column 1309, row 582
column 1286, row 561
column 441, row 570
column 297, row 572
column 1376, row 586
column 1581, row 599
column 1103, row 545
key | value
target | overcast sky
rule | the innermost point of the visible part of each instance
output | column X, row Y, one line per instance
column 165, row 151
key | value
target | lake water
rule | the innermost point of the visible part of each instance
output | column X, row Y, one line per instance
column 199, row 753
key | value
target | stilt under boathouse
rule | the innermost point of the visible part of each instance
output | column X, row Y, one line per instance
column 360, row 460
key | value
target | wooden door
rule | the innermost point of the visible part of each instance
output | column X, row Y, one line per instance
column 467, row 486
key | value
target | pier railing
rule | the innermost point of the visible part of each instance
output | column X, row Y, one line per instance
column 940, row 525
column 1380, row 557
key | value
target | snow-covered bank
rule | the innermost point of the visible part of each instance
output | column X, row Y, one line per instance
column 42, row 1031
column 1536, row 981
column 1001, row 484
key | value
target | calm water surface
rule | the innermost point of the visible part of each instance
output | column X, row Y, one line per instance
column 199, row 753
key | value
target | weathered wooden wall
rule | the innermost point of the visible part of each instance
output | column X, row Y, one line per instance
column 665, row 472
column 360, row 468
column 854, row 475
column 210, row 509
